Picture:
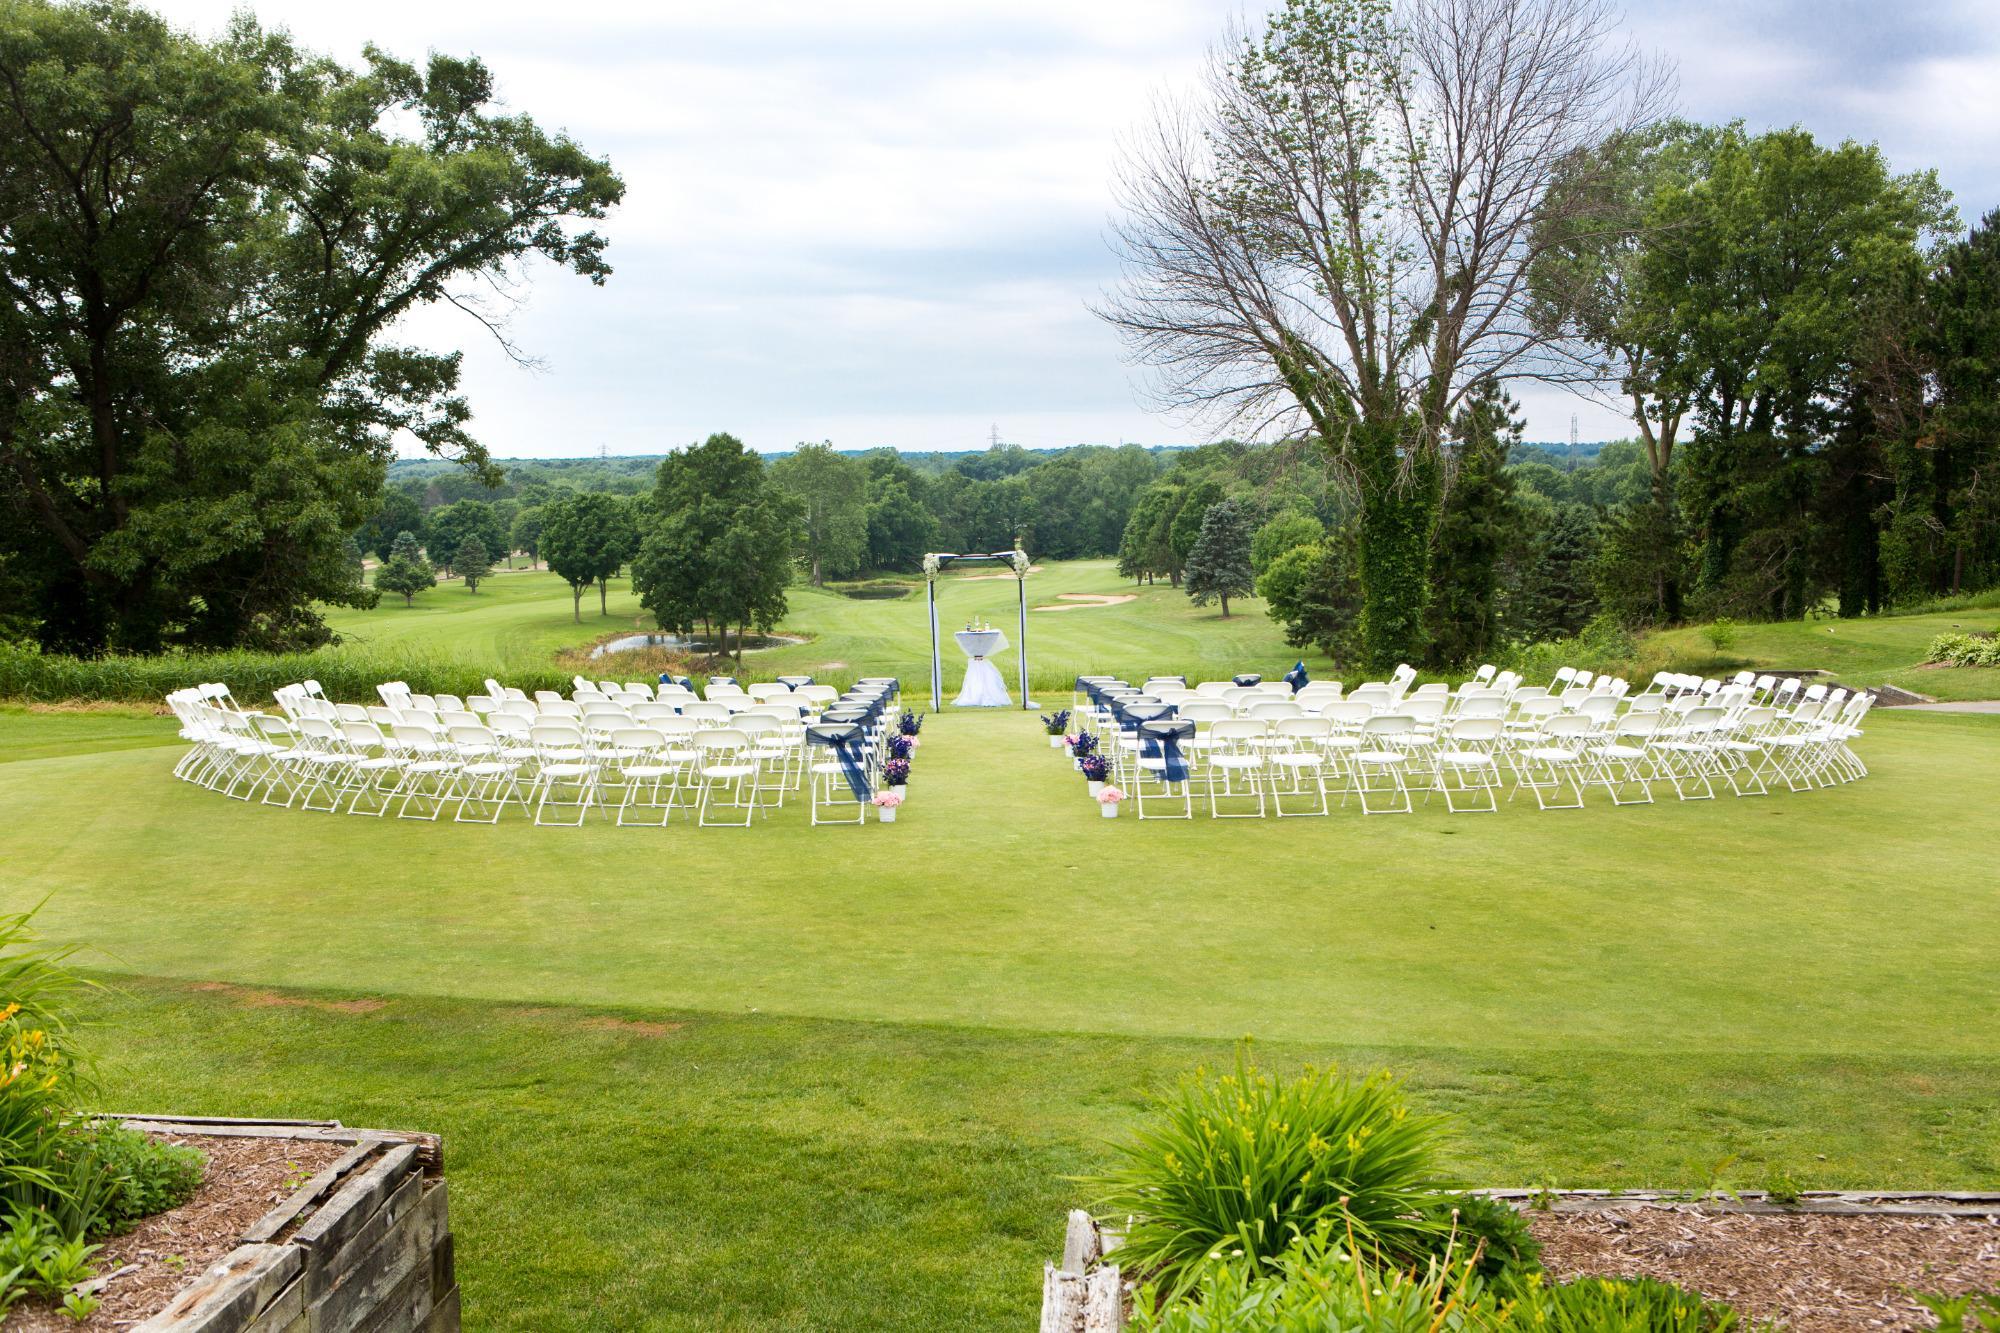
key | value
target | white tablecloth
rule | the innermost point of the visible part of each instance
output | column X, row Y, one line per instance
column 983, row 687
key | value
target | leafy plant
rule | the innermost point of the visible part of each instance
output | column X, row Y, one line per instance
column 1780, row 1188
column 1326, row 1282
column 1973, row 1312
column 1486, row 1232
column 79, row 1306
column 1965, row 650
column 1055, row 724
column 1720, row 633
column 148, row 1176
column 1246, row 1162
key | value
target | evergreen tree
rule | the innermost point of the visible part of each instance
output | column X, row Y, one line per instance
column 1218, row 564
column 1560, row 596
column 1479, row 520
column 472, row 562
column 1315, row 593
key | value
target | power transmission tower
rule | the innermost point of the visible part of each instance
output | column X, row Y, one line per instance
column 994, row 435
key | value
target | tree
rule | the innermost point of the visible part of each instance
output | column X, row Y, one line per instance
column 204, row 245
column 720, row 542
column 1185, row 529
column 405, row 571
column 585, row 539
column 1219, row 565
column 831, row 492
column 1560, row 594
column 450, row 525
column 1338, row 237
column 472, row 562
column 1313, row 591
column 526, row 535
column 900, row 529
column 1479, row 523
column 1281, row 534
column 398, row 512
column 1146, row 549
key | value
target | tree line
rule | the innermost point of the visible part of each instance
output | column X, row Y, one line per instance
column 1373, row 218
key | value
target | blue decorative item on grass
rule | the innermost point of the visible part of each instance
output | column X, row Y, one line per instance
column 1056, row 723
column 1297, row 678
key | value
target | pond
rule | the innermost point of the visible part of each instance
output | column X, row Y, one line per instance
column 632, row 643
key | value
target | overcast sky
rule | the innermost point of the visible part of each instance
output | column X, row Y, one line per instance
column 880, row 223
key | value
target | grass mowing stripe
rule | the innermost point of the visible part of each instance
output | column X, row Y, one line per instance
column 694, row 1170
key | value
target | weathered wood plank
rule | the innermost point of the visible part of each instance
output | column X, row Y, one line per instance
column 327, row 1264
column 285, row 1311
column 209, row 1119
column 354, row 1203
column 430, row 1147
column 270, row 1224
column 1103, row 1301
column 406, row 1247
column 1082, row 1246
column 406, row 1306
column 1063, row 1301
column 228, row 1296
column 444, row 1315
column 1853, row 1203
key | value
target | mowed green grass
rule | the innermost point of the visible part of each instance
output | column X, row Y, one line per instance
column 526, row 617
column 1874, row 650
column 836, row 1077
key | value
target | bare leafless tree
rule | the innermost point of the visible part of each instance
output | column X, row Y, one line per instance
column 1337, row 234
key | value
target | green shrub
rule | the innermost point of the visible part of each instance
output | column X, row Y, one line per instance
column 347, row 673
column 1320, row 1285
column 147, row 1176
column 1720, row 633
column 1247, row 1163
column 1966, row 650
column 40, row 1074
column 1495, row 1237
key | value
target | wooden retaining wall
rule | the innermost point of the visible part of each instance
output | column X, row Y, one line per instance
column 1085, row 1294
column 363, row 1247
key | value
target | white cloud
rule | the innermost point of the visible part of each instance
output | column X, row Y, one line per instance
column 882, row 221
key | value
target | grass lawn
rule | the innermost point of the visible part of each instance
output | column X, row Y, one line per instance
column 1874, row 650
column 834, row 1078
column 526, row 617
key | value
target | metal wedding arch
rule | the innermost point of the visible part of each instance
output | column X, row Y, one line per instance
column 935, row 563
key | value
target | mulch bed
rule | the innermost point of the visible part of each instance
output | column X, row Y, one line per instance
column 245, row 1178
column 1819, row 1273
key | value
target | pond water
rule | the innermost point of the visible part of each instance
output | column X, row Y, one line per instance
column 634, row 642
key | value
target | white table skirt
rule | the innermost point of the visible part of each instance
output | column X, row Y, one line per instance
column 983, row 686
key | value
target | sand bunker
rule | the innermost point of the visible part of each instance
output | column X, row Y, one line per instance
column 1083, row 601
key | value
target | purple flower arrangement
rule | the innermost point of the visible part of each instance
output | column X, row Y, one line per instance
column 1084, row 745
column 1093, row 767
column 895, row 772
column 909, row 724
column 1057, row 724
column 900, row 746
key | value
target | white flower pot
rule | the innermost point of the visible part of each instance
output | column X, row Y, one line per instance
column 1095, row 787
column 1109, row 809
column 1055, row 742
column 886, row 813
column 903, row 791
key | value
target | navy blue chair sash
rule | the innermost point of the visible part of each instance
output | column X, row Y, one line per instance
column 1297, row 678
column 1161, row 739
column 1248, row 678
column 844, row 739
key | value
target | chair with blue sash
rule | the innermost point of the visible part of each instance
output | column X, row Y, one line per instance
column 1161, row 768
column 843, row 769
column 1246, row 678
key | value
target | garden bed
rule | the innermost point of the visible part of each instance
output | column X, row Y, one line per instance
column 297, row 1224
column 1817, row 1272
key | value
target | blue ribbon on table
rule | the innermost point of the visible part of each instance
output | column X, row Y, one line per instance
column 1296, row 677
column 846, row 749
column 1248, row 678
column 1162, row 740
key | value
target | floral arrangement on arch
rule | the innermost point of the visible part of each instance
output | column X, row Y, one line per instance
column 931, row 565
column 1018, row 559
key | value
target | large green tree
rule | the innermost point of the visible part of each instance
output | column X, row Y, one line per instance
column 831, row 492
column 1338, row 235
column 204, row 247
column 720, row 541
column 586, row 538
column 449, row 525
column 1479, row 523
column 1218, row 567
column 398, row 512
